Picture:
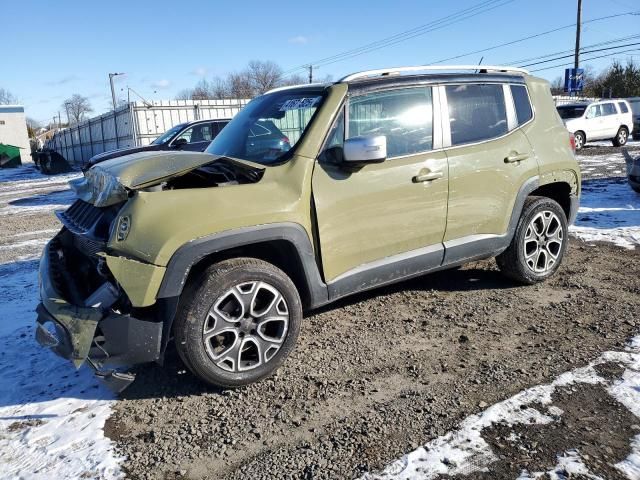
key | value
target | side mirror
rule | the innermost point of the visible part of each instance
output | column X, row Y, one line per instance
column 365, row 149
column 180, row 142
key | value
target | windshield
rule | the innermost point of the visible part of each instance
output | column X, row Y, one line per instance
column 268, row 127
column 571, row 111
column 166, row 136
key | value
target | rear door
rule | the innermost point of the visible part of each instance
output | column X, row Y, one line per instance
column 612, row 120
column 490, row 158
column 367, row 215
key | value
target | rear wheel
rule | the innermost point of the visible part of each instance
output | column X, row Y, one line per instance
column 539, row 242
column 579, row 139
column 240, row 322
column 621, row 137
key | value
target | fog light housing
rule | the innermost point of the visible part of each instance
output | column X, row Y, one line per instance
column 123, row 227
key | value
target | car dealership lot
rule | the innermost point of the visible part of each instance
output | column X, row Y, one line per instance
column 374, row 377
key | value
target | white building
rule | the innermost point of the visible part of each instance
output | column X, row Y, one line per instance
column 13, row 130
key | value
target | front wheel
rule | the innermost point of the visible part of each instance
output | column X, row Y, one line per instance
column 539, row 242
column 580, row 140
column 240, row 322
column 621, row 137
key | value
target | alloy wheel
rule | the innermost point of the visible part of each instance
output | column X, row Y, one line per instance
column 246, row 326
column 622, row 136
column 543, row 242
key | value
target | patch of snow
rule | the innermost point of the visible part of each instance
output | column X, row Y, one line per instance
column 464, row 451
column 36, row 242
column 609, row 212
column 51, row 416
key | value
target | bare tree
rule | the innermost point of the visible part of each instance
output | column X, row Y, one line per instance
column 263, row 76
column 6, row 97
column 77, row 106
column 293, row 80
column 257, row 78
column 32, row 127
column 239, row 85
column 557, row 86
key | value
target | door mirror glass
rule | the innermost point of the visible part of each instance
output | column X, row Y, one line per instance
column 371, row 149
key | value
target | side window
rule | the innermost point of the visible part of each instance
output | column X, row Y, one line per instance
column 197, row 133
column 594, row 111
column 332, row 151
column 524, row 113
column 623, row 107
column 609, row 109
column 404, row 116
column 476, row 112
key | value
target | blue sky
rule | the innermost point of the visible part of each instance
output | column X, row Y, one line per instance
column 50, row 50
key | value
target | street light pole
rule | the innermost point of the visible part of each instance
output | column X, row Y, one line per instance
column 113, row 92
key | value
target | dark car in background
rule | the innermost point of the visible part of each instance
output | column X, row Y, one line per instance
column 189, row 136
column 635, row 108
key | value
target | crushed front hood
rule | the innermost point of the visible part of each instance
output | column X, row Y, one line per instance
column 143, row 169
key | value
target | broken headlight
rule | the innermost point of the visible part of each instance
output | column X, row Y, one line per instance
column 99, row 188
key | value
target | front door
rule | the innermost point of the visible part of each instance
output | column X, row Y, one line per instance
column 596, row 128
column 367, row 215
column 198, row 137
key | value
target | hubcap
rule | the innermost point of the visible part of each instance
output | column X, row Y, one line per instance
column 543, row 242
column 579, row 141
column 246, row 326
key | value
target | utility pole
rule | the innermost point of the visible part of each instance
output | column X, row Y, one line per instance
column 578, row 25
column 310, row 67
column 113, row 92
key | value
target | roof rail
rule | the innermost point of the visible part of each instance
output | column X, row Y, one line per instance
column 290, row 87
column 430, row 68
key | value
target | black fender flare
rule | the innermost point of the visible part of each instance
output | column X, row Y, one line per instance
column 193, row 252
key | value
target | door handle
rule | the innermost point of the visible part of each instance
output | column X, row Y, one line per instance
column 427, row 177
column 516, row 157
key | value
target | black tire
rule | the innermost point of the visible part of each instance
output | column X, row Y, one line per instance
column 206, row 297
column 580, row 139
column 514, row 264
column 621, row 138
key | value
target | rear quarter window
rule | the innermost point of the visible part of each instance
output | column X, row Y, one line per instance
column 476, row 113
column 623, row 107
column 521, row 101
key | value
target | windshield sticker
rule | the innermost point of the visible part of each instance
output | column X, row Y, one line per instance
column 298, row 103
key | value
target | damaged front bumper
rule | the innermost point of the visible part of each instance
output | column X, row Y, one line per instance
column 97, row 333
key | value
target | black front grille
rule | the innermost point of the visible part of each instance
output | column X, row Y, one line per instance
column 80, row 217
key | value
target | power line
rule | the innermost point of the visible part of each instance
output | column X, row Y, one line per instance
column 530, row 37
column 450, row 19
column 571, row 55
column 587, row 59
column 608, row 42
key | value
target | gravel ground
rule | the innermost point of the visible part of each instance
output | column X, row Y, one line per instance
column 381, row 373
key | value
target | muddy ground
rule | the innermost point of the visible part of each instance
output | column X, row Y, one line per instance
column 379, row 374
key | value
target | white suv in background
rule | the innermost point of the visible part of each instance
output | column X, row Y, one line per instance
column 602, row 120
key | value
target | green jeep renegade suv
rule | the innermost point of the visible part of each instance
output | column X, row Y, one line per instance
column 310, row 194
